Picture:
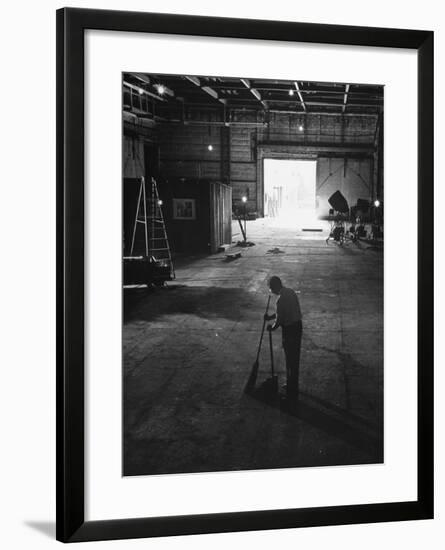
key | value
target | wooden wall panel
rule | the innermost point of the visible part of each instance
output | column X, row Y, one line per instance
column 133, row 157
column 241, row 144
column 245, row 171
column 185, row 155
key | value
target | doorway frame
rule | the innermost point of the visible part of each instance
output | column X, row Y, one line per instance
column 295, row 151
column 278, row 152
column 307, row 157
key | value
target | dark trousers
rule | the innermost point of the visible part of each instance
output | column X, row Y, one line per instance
column 292, row 346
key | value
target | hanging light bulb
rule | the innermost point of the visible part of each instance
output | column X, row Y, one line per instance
column 160, row 88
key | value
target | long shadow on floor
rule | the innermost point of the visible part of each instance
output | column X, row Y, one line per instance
column 326, row 417
column 203, row 301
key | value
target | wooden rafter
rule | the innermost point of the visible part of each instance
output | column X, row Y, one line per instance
column 142, row 77
column 345, row 97
column 210, row 91
column 254, row 92
column 143, row 91
column 300, row 96
column 261, row 93
column 148, row 80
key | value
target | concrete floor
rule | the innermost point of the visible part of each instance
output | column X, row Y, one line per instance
column 189, row 350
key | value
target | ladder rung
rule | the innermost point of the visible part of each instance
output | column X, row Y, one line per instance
column 155, row 222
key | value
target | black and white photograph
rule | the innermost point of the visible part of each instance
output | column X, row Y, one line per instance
column 233, row 335
column 253, row 242
column 184, row 209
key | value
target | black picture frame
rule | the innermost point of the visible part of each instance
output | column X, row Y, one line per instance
column 71, row 24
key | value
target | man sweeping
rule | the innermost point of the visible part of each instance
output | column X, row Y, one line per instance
column 288, row 317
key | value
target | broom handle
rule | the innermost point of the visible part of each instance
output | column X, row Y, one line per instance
column 271, row 352
column 262, row 331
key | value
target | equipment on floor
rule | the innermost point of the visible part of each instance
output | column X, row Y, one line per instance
column 341, row 208
column 149, row 260
column 254, row 372
column 339, row 203
column 337, row 232
column 233, row 256
column 361, row 231
column 376, row 232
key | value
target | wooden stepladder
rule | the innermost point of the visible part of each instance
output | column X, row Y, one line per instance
column 159, row 245
column 140, row 218
column 150, row 219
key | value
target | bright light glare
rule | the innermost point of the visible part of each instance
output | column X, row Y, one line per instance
column 160, row 203
column 289, row 188
column 377, row 203
column 161, row 89
column 291, row 92
column 244, row 198
column 210, row 147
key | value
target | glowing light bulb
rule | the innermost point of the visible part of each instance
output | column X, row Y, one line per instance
column 160, row 203
column 210, row 147
column 244, row 198
column 291, row 92
column 377, row 203
column 161, row 89
column 301, row 128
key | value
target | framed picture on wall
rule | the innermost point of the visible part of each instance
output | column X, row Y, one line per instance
column 184, row 209
column 275, row 373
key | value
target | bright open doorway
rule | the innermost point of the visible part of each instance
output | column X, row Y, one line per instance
column 289, row 192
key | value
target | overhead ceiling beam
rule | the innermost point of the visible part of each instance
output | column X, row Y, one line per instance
column 210, row 91
column 147, row 80
column 300, row 96
column 345, row 97
column 310, row 91
column 254, row 92
column 332, row 104
column 339, row 104
column 322, row 113
column 194, row 80
column 143, row 91
column 142, row 77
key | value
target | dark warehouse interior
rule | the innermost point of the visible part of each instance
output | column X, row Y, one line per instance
column 227, row 182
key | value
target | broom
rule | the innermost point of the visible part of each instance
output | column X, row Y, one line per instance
column 254, row 372
column 272, row 382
